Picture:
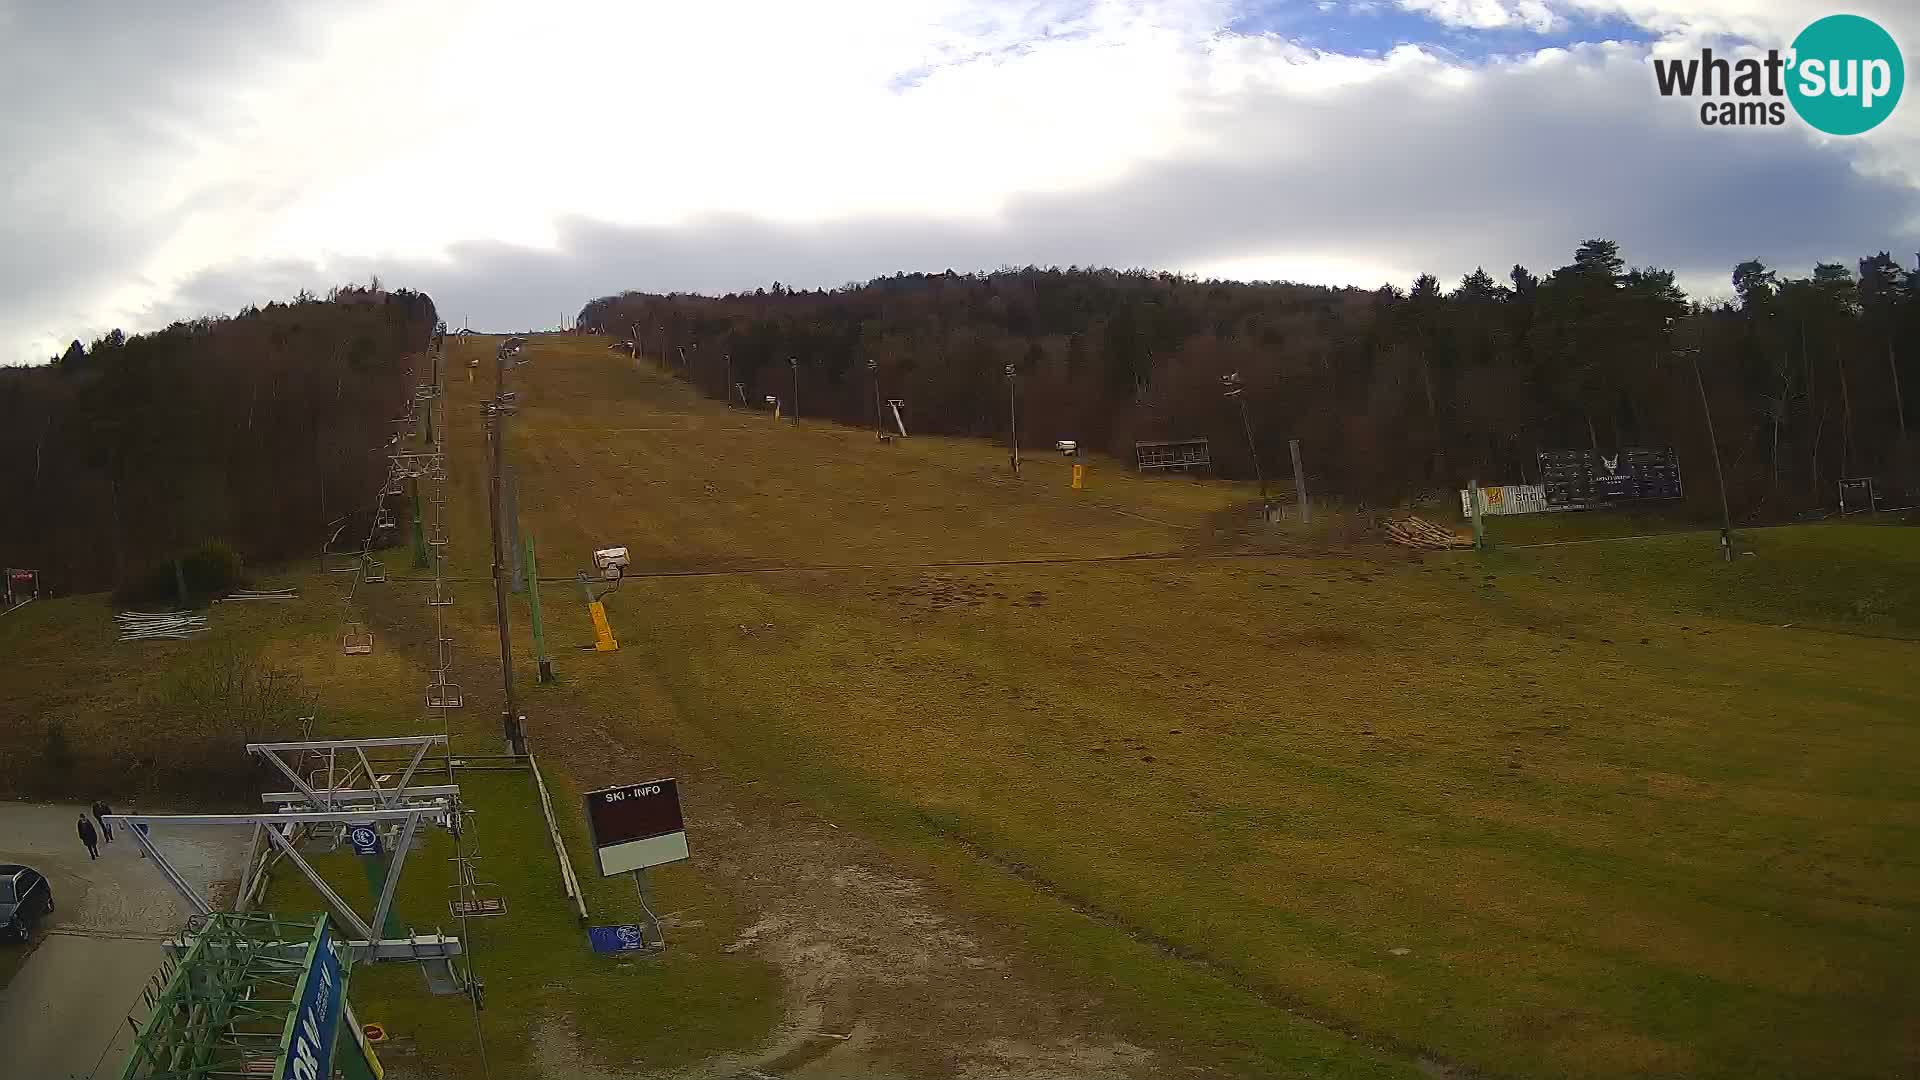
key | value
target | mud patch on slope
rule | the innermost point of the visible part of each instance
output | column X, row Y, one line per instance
column 880, row 982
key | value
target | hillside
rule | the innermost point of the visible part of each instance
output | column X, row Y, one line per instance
column 1483, row 813
column 1391, row 393
column 252, row 430
column 1004, row 777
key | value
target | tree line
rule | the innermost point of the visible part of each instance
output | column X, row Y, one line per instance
column 1394, row 393
column 256, row 431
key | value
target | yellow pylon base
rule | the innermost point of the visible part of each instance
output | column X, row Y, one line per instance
column 602, row 633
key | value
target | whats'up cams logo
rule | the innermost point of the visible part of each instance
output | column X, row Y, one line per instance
column 1843, row 76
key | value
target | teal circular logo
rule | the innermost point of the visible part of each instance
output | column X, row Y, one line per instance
column 1846, row 75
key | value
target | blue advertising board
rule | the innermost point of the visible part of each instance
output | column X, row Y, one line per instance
column 365, row 839
column 316, row 1018
column 626, row 937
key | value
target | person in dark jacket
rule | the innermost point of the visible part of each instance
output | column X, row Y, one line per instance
column 89, row 837
column 100, row 812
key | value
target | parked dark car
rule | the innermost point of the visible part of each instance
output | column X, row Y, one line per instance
column 25, row 897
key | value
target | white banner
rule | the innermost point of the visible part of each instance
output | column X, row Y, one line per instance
column 1507, row 499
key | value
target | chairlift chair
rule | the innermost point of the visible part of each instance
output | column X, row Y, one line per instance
column 479, row 906
column 372, row 571
column 356, row 639
column 444, row 695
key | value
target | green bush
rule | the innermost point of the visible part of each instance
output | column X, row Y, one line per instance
column 208, row 572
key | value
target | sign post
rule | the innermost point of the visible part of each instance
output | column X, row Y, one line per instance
column 1473, row 501
column 634, row 827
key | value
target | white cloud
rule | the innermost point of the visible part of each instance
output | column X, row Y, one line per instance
column 727, row 145
column 1532, row 15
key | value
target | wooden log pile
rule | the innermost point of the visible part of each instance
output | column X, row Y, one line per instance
column 1417, row 532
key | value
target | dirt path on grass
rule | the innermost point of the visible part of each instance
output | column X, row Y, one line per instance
column 880, row 980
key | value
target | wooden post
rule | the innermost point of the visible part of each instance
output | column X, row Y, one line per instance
column 1473, row 508
column 1300, row 483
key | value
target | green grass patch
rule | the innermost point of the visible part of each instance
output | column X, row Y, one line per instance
column 1585, row 810
column 1578, row 811
column 1861, row 578
column 540, row 974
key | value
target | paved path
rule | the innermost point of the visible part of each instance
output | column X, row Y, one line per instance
column 64, row 1012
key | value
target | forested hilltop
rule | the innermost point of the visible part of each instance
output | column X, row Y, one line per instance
column 254, row 431
column 1393, row 393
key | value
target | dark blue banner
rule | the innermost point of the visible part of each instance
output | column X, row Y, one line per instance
column 614, row 939
column 365, row 839
column 315, row 1018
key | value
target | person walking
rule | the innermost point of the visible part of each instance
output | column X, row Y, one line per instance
column 100, row 812
column 89, row 838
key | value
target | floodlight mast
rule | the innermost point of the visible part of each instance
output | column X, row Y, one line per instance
column 1236, row 390
column 1013, row 421
column 1692, row 353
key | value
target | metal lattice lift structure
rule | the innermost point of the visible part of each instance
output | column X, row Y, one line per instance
column 334, row 769
column 443, row 693
column 238, row 992
column 338, row 774
column 284, row 831
column 238, row 999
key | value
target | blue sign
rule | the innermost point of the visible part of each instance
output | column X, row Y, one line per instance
column 365, row 839
column 310, row 1050
column 626, row 937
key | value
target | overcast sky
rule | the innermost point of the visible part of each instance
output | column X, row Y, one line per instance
column 515, row 160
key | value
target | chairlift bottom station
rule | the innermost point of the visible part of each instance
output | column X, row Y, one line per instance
column 253, row 995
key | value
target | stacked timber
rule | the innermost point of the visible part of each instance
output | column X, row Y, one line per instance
column 1417, row 532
